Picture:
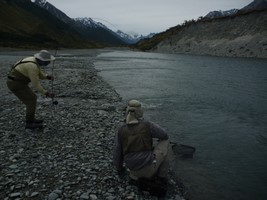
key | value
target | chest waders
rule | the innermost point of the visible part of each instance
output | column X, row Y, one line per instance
column 18, row 85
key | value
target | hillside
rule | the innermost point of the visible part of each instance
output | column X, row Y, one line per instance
column 241, row 35
column 24, row 24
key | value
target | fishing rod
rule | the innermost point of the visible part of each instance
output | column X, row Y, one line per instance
column 54, row 102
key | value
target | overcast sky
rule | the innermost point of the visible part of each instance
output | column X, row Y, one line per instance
column 143, row 16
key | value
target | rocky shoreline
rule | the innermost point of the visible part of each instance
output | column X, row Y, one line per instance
column 72, row 157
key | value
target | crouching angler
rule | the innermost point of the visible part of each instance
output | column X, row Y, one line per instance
column 147, row 162
column 22, row 73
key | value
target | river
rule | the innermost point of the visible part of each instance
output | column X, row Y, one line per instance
column 216, row 104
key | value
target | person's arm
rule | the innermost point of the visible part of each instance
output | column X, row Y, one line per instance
column 33, row 73
column 158, row 132
column 117, row 154
column 42, row 75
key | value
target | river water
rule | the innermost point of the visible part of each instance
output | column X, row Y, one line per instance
column 218, row 105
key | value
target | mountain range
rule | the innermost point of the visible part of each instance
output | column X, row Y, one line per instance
column 28, row 24
column 255, row 5
column 23, row 24
column 88, row 27
column 234, row 33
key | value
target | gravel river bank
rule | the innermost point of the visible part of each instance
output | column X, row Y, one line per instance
column 72, row 157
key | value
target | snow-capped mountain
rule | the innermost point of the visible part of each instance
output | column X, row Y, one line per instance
column 87, row 27
column 129, row 38
column 89, row 22
column 53, row 10
column 41, row 3
column 255, row 5
column 86, row 23
column 220, row 13
column 133, row 38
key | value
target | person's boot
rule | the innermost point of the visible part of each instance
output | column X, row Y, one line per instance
column 33, row 125
column 163, row 180
column 133, row 182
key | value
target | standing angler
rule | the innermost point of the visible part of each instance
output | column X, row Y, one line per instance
column 22, row 73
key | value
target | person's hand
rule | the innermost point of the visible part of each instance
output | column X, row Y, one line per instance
column 50, row 77
column 49, row 94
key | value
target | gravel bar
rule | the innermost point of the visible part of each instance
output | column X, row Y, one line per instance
column 71, row 158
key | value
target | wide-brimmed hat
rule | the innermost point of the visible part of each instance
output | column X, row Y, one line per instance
column 44, row 55
column 134, row 112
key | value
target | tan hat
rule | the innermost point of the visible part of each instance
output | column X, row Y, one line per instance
column 44, row 55
column 134, row 112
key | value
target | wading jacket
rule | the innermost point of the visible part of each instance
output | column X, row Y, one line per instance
column 134, row 144
column 29, row 68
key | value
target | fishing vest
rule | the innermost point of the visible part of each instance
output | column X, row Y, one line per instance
column 135, row 138
column 17, row 76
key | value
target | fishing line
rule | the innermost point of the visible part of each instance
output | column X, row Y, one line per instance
column 54, row 102
column 103, row 20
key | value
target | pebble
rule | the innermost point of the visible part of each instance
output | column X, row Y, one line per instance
column 34, row 194
column 93, row 197
column 53, row 196
column 15, row 195
column 84, row 196
column 13, row 166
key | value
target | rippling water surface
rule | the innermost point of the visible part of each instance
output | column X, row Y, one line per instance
column 218, row 105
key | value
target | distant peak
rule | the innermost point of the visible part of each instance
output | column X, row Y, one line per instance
column 220, row 13
column 41, row 2
column 87, row 21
